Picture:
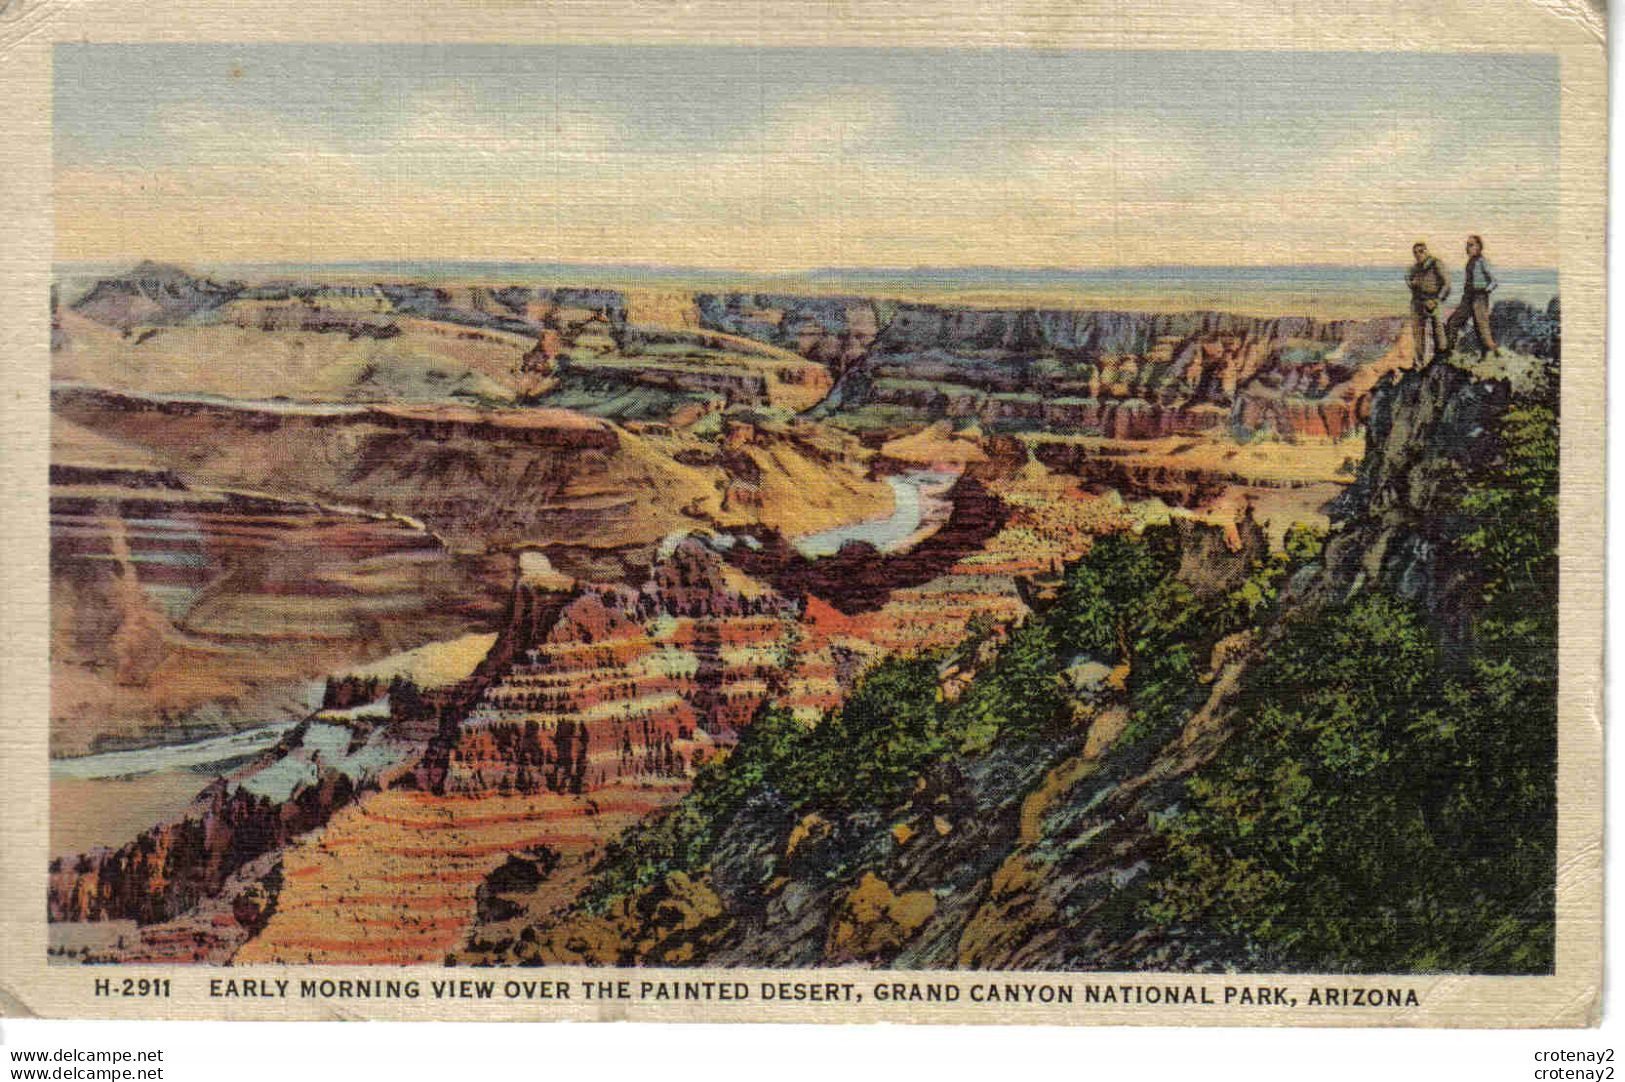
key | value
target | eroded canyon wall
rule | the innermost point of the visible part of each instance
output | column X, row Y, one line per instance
column 1118, row 374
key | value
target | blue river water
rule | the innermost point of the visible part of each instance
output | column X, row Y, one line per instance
column 912, row 501
column 198, row 754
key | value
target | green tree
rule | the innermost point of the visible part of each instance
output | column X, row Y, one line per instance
column 1511, row 500
column 871, row 749
column 682, row 839
column 1103, row 595
column 1387, row 803
column 1291, row 839
column 1019, row 694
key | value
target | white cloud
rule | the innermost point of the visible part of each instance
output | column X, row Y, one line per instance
column 820, row 182
column 846, row 121
column 206, row 137
column 453, row 121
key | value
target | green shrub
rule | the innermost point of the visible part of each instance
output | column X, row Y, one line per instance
column 1104, row 595
column 1389, row 804
column 869, row 750
column 1019, row 694
column 1303, row 543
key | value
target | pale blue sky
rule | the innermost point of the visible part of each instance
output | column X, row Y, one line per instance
column 782, row 159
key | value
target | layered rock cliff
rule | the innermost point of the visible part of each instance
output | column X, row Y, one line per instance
column 616, row 683
column 1123, row 374
column 587, row 686
column 483, row 479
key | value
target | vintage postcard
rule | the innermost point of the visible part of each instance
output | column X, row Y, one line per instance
column 1028, row 513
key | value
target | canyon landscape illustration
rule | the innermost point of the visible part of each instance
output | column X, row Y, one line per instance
column 803, row 508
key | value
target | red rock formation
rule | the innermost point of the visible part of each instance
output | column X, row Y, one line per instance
column 625, row 682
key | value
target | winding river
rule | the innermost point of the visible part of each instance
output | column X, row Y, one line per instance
column 109, row 797
column 198, row 756
column 919, row 501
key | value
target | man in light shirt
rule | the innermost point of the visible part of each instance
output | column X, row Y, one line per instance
column 1475, row 301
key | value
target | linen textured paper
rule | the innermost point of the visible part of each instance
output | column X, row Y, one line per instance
column 1031, row 513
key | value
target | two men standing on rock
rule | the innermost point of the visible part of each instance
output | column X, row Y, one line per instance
column 1430, row 287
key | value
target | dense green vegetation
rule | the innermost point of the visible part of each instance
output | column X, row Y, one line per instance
column 1118, row 604
column 867, row 752
column 1387, row 799
column 1390, row 801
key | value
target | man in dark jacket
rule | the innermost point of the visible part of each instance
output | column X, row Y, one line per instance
column 1430, row 285
column 1475, row 301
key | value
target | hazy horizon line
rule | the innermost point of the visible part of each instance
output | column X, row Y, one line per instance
column 967, row 268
